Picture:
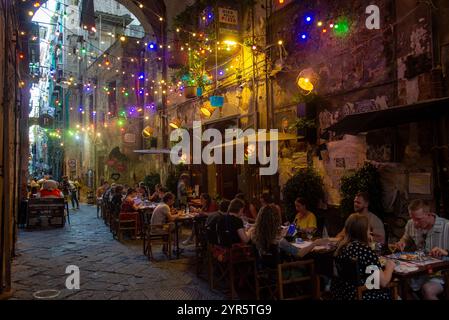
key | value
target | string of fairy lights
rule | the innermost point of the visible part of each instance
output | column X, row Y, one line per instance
column 199, row 47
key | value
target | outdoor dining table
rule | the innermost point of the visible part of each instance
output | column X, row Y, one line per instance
column 406, row 270
column 322, row 255
column 178, row 222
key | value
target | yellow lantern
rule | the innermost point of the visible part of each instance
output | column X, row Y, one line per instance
column 207, row 110
column 307, row 80
column 175, row 123
column 147, row 132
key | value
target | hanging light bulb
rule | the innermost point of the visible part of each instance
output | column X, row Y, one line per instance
column 307, row 80
column 207, row 110
column 175, row 123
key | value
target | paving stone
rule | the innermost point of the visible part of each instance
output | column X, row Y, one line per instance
column 109, row 270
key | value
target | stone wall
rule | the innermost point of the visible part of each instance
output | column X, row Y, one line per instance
column 10, row 139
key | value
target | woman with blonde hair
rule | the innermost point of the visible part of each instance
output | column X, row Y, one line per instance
column 354, row 250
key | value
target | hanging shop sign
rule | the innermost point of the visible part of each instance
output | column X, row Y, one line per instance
column 228, row 20
column 228, row 16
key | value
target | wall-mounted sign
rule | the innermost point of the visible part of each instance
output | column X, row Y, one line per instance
column 228, row 21
column 228, row 16
column 129, row 138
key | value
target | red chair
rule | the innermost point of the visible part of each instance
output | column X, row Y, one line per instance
column 226, row 261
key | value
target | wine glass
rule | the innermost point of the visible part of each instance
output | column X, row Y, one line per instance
column 309, row 233
column 392, row 247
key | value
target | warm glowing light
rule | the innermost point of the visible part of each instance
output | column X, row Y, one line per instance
column 175, row 124
column 230, row 42
column 122, row 38
column 30, row 13
column 305, row 84
column 280, row 42
column 320, row 23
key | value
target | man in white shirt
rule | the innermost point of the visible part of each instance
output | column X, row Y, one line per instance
column 162, row 214
column 426, row 231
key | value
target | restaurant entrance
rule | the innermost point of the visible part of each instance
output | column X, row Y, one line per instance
column 227, row 181
column 222, row 179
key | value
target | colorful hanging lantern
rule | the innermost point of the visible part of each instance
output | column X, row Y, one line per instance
column 217, row 101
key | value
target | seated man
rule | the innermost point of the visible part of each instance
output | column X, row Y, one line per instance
column 361, row 205
column 230, row 228
column 426, row 231
column 162, row 214
column 212, row 221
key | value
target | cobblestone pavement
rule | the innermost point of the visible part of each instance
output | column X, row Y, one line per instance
column 108, row 269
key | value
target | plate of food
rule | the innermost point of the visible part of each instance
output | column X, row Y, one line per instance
column 408, row 256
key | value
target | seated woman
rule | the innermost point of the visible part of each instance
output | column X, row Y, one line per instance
column 266, row 199
column 355, row 246
column 207, row 205
column 267, row 235
column 249, row 211
column 129, row 208
column 142, row 190
column 304, row 220
column 50, row 190
column 157, row 194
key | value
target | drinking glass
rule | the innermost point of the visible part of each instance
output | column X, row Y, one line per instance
column 392, row 247
column 310, row 233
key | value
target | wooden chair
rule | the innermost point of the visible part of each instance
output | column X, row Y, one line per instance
column 158, row 234
column 302, row 276
column 267, row 273
column 127, row 221
column 224, row 261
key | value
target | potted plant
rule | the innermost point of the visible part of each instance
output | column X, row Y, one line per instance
column 151, row 180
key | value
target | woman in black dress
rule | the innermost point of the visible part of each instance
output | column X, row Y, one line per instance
column 355, row 247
